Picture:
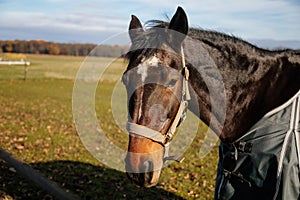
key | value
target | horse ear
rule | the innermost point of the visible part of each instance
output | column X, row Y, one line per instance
column 135, row 27
column 179, row 23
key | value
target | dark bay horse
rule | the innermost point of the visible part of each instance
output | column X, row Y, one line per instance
column 234, row 85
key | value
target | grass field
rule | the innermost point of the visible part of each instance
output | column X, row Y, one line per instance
column 36, row 126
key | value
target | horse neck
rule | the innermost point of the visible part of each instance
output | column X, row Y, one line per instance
column 254, row 82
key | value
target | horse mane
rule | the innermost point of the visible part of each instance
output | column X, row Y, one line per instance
column 153, row 38
column 217, row 37
column 210, row 36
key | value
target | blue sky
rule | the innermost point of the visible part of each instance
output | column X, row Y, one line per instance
column 94, row 21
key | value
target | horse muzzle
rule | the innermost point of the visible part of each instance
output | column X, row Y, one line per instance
column 142, row 171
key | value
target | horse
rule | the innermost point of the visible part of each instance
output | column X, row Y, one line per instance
column 247, row 95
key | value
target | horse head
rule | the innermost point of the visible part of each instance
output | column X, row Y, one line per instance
column 156, row 89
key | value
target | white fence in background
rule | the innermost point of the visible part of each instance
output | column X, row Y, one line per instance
column 7, row 62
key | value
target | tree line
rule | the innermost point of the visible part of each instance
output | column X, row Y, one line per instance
column 53, row 48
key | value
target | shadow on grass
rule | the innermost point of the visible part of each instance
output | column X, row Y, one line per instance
column 85, row 180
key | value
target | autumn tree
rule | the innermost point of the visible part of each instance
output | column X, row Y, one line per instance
column 46, row 47
column 8, row 47
column 52, row 49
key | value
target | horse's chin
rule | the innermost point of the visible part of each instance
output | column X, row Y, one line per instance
column 149, row 185
column 155, row 179
column 138, row 181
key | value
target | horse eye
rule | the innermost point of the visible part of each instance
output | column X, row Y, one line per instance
column 172, row 82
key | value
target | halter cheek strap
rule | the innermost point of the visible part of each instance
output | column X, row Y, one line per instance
column 157, row 136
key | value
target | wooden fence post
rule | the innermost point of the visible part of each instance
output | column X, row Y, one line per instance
column 25, row 71
column 29, row 173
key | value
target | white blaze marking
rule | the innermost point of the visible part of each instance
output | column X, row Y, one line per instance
column 152, row 61
column 140, row 112
column 143, row 71
column 142, row 68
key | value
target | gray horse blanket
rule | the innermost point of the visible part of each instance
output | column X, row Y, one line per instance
column 265, row 162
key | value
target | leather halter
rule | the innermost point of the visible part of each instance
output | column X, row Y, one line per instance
column 157, row 136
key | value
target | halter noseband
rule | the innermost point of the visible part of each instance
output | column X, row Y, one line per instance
column 180, row 116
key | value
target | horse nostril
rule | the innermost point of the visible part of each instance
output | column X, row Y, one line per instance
column 147, row 166
column 142, row 176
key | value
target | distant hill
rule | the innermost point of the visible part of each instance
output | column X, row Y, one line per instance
column 73, row 49
column 276, row 44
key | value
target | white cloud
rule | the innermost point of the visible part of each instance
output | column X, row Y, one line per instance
column 260, row 19
column 277, row 19
column 66, row 21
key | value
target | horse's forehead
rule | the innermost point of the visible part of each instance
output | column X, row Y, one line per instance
column 152, row 61
column 142, row 69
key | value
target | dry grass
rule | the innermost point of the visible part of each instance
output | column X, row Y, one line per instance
column 36, row 126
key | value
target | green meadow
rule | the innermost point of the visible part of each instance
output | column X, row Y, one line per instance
column 37, row 127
